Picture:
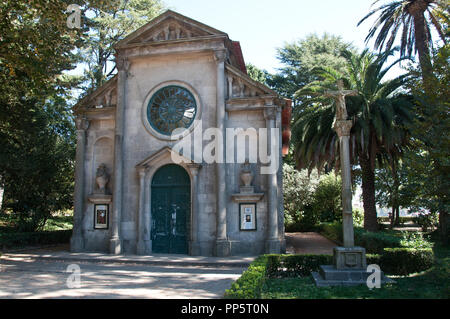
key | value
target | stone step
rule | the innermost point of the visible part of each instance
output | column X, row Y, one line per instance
column 320, row 282
column 153, row 260
column 328, row 275
column 329, row 272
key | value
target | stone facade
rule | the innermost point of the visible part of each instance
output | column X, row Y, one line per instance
column 113, row 130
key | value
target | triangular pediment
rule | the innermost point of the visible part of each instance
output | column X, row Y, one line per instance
column 103, row 97
column 243, row 86
column 169, row 26
column 164, row 152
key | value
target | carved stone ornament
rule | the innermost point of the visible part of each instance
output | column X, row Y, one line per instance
column 343, row 128
column 246, row 174
column 102, row 178
column 81, row 123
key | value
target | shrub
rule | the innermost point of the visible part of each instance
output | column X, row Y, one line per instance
column 295, row 265
column 414, row 240
column 373, row 242
column 10, row 240
column 249, row 285
column 327, row 204
column 358, row 217
column 404, row 261
column 298, row 190
column 332, row 231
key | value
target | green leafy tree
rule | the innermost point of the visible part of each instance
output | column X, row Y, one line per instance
column 432, row 127
column 379, row 113
column 35, row 126
column 414, row 18
column 299, row 60
column 257, row 74
column 298, row 195
column 327, row 203
column 107, row 22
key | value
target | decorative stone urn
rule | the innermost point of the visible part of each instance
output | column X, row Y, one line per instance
column 246, row 175
column 102, row 178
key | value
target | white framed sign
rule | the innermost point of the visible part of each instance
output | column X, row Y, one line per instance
column 247, row 216
column 101, row 216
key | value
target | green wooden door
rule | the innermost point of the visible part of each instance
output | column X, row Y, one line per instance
column 171, row 205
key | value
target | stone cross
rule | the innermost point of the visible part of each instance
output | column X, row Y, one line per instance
column 342, row 127
column 339, row 97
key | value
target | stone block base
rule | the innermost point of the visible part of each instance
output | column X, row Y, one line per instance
column 330, row 276
column 195, row 249
column 76, row 244
column 273, row 246
column 115, row 246
column 223, row 248
column 144, row 247
column 350, row 258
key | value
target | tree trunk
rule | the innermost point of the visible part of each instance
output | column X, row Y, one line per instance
column 368, row 192
column 422, row 47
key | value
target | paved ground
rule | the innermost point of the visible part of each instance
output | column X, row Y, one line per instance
column 43, row 273
column 308, row 243
column 39, row 274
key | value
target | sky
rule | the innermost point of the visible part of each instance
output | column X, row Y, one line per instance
column 261, row 26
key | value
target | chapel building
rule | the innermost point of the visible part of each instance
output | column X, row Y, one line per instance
column 137, row 191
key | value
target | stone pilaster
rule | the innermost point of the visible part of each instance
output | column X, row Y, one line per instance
column 272, row 241
column 77, row 241
column 141, row 247
column 195, row 245
column 222, row 244
column 115, row 241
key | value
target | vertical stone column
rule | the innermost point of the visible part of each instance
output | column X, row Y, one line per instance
column 141, row 248
column 77, row 241
column 342, row 128
column 195, row 245
column 147, row 213
column 222, row 244
column 115, row 246
column 272, row 241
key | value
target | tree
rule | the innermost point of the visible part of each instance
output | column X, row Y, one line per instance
column 300, row 58
column 298, row 195
column 379, row 114
column 257, row 74
column 431, row 128
column 414, row 18
column 108, row 22
column 35, row 127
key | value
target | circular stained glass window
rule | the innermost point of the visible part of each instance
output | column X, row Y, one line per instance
column 170, row 108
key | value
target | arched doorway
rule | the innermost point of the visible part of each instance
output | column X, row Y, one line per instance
column 171, row 208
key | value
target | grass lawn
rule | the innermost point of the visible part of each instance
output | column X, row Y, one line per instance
column 59, row 222
column 433, row 283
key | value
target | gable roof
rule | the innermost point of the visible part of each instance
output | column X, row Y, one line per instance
column 155, row 31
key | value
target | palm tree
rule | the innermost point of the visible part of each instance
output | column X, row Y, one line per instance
column 414, row 18
column 378, row 112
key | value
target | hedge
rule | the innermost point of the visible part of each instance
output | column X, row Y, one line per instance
column 13, row 240
column 295, row 265
column 249, row 285
column 405, row 261
column 372, row 241
column 393, row 261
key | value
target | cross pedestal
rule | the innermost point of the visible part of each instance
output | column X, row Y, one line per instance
column 350, row 267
